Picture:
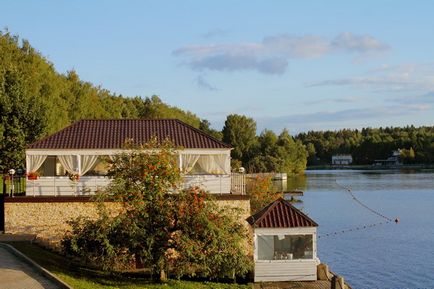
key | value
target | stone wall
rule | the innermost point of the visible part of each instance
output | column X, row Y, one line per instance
column 47, row 217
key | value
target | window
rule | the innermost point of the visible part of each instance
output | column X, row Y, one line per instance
column 51, row 167
column 205, row 164
column 285, row 247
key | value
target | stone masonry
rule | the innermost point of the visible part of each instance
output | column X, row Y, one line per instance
column 47, row 218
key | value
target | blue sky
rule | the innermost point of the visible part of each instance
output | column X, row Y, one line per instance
column 303, row 65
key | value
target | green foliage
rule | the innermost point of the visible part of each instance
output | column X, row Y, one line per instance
column 206, row 240
column 369, row 144
column 407, row 155
column 240, row 132
column 205, row 127
column 36, row 101
column 278, row 154
column 21, row 109
column 184, row 233
column 260, row 191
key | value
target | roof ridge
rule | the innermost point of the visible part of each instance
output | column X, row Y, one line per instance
column 265, row 210
column 297, row 211
column 265, row 213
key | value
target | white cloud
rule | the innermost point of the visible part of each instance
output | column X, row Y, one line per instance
column 349, row 99
column 401, row 78
column 421, row 100
column 358, row 43
column 341, row 118
column 272, row 54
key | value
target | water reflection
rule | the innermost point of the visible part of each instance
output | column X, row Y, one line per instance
column 292, row 183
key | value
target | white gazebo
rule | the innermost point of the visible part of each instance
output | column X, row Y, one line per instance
column 75, row 160
column 285, row 244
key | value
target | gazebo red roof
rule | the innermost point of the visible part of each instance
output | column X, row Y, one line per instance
column 112, row 133
column 280, row 214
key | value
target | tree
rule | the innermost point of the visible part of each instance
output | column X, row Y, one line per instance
column 407, row 155
column 260, row 192
column 185, row 233
column 205, row 126
column 36, row 100
column 292, row 154
column 278, row 154
column 240, row 132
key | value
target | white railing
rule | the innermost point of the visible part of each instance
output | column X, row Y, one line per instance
column 238, row 184
column 63, row 186
column 214, row 184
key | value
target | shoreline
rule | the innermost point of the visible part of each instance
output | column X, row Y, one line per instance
column 371, row 167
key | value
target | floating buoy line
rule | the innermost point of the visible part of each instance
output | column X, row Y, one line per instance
column 387, row 220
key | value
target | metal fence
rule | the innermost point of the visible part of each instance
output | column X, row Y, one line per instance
column 13, row 185
column 238, row 183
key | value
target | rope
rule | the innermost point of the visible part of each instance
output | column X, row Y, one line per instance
column 353, row 229
column 362, row 204
column 387, row 219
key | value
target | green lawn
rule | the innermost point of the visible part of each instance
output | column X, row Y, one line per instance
column 80, row 277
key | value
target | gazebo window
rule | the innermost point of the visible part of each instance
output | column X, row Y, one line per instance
column 51, row 167
column 285, row 247
column 205, row 164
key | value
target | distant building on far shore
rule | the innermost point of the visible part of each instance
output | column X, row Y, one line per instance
column 342, row 160
column 394, row 160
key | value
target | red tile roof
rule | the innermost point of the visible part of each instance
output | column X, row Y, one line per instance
column 111, row 134
column 280, row 214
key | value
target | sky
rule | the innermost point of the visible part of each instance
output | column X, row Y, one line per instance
column 300, row 65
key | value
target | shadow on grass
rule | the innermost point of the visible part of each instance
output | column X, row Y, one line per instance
column 79, row 276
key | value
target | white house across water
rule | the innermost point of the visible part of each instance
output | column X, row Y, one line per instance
column 285, row 244
column 83, row 149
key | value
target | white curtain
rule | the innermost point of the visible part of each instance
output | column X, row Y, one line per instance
column 33, row 163
column 77, row 165
column 214, row 164
column 87, row 162
column 70, row 163
column 206, row 163
column 224, row 162
column 188, row 162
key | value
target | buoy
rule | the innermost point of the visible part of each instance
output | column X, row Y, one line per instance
column 397, row 220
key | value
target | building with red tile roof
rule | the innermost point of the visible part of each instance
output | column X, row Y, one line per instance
column 80, row 150
column 285, row 243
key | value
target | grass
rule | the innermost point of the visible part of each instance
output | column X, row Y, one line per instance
column 80, row 277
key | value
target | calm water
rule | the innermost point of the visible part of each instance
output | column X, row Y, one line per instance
column 386, row 256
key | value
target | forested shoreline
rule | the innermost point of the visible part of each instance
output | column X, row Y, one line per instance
column 369, row 144
column 36, row 100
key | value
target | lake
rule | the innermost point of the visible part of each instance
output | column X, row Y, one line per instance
column 383, row 256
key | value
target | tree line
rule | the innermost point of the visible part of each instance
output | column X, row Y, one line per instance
column 369, row 144
column 36, row 100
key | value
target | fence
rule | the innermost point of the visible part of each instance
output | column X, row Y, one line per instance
column 13, row 185
column 238, row 184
